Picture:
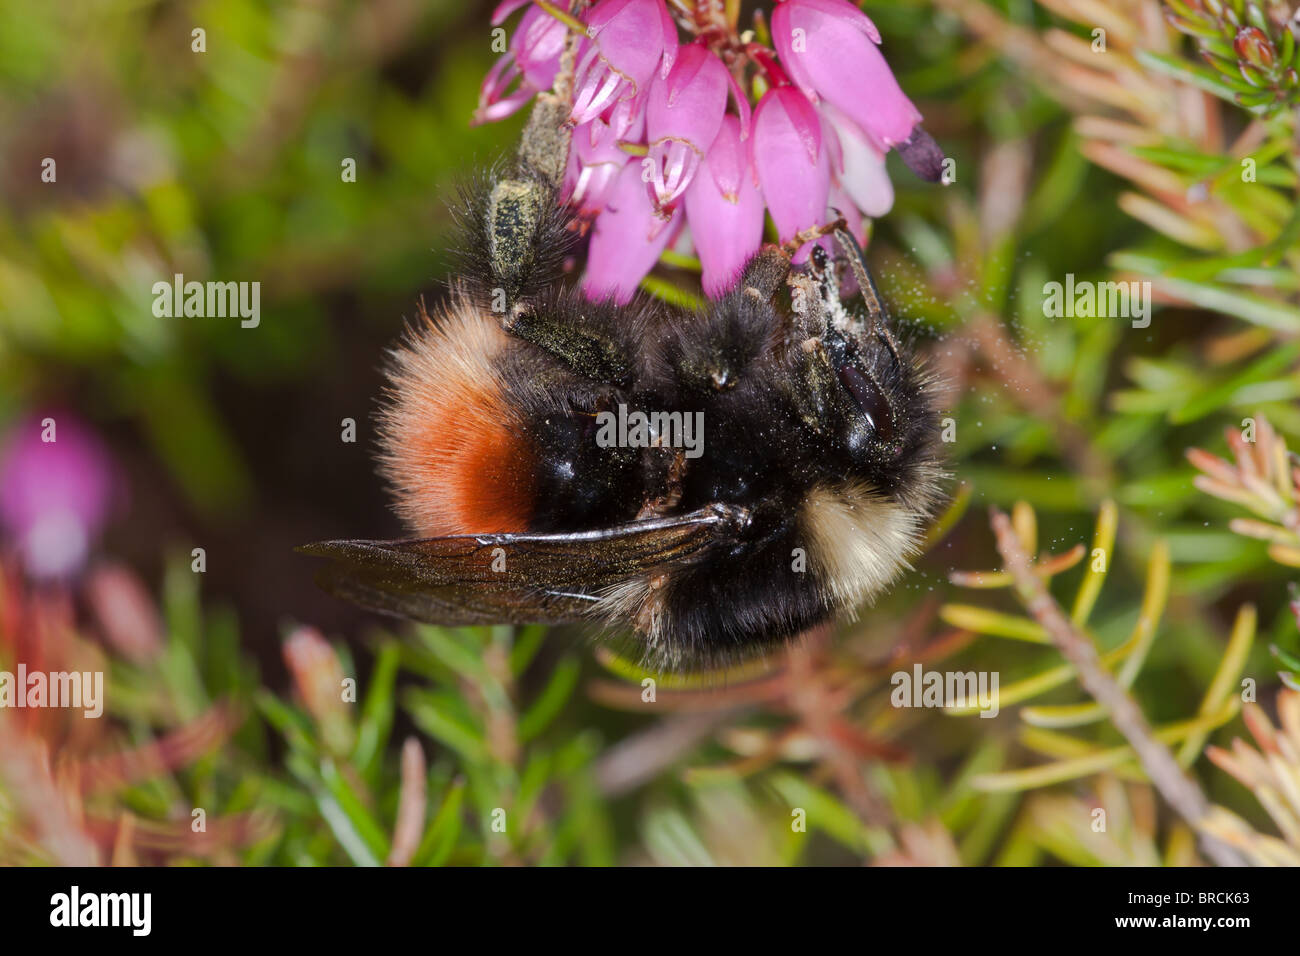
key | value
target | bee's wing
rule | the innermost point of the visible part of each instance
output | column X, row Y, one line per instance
column 517, row 578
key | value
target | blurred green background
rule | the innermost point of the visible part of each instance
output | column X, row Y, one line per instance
column 226, row 165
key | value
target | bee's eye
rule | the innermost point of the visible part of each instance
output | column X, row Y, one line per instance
column 870, row 401
column 819, row 258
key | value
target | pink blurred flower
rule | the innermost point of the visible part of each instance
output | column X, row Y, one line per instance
column 683, row 114
column 533, row 59
column 538, row 43
column 790, row 157
column 629, row 39
column 724, row 208
column 626, row 240
column 318, row 678
column 54, row 493
column 829, row 47
column 127, row 615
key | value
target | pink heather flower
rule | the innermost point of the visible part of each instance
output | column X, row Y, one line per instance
column 683, row 114
column 812, row 150
column 533, row 59
column 629, row 39
column 790, row 157
column 626, row 240
column 627, row 117
column 724, row 210
column 54, row 495
column 595, row 160
column 128, row 618
column 842, row 204
column 829, row 49
column 859, row 166
column 538, row 44
column 318, row 678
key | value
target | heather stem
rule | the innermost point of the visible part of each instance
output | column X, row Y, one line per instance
column 1179, row 790
column 570, row 21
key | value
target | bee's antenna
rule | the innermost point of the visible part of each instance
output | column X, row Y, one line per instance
column 867, row 286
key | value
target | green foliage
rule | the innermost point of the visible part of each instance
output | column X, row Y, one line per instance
column 1161, row 159
column 1251, row 48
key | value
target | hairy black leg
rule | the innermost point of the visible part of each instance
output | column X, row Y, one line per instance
column 765, row 274
column 516, row 233
column 594, row 340
column 525, row 235
column 814, row 387
column 712, row 352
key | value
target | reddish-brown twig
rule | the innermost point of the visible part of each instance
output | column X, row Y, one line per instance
column 1174, row 785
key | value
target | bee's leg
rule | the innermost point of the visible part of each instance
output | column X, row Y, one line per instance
column 765, row 274
column 517, row 232
column 812, row 234
column 770, row 271
column 814, row 385
column 544, row 145
column 578, row 334
column 518, row 237
column 522, row 230
column 799, row 317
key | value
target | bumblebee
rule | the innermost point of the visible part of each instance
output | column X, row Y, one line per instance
column 816, row 475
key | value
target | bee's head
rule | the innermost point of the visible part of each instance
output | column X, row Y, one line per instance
column 878, row 412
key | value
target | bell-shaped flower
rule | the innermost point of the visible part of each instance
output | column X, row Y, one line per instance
column 683, row 114
column 843, row 206
column 627, row 117
column 626, row 240
column 789, row 154
column 829, row 49
column 533, row 59
column 858, row 166
column 724, row 209
column 628, row 40
column 538, row 44
column 595, row 160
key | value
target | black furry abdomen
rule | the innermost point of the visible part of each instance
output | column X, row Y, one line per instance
column 737, row 605
column 764, row 590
